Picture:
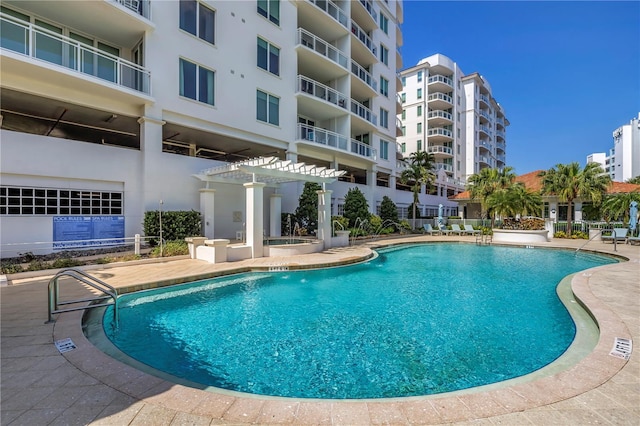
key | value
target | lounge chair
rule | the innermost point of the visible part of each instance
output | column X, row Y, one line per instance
column 468, row 229
column 633, row 240
column 428, row 229
column 618, row 234
column 455, row 229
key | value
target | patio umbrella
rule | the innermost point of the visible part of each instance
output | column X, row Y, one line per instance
column 633, row 216
column 440, row 219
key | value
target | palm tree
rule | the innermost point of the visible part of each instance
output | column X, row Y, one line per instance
column 514, row 200
column 420, row 172
column 569, row 181
column 617, row 205
column 481, row 185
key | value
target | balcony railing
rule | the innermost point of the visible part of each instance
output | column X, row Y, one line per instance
column 485, row 114
column 440, row 79
column 484, row 98
column 485, row 144
column 440, row 96
column 335, row 140
column 363, row 112
column 485, row 129
column 319, row 90
column 364, row 75
column 484, row 159
column 369, row 6
column 501, row 145
column 323, row 48
column 439, row 149
column 434, row 131
column 500, row 133
column 333, row 10
column 440, row 114
column 501, row 158
column 141, row 7
column 398, row 123
column 363, row 37
column 444, row 166
column 500, row 121
column 42, row 44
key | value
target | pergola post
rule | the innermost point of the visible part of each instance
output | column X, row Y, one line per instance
column 275, row 228
column 324, row 217
column 255, row 214
column 207, row 197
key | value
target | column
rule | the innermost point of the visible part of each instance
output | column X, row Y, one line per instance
column 392, row 182
column 207, row 211
column 324, row 217
column 152, row 172
column 255, row 222
column 372, row 176
column 577, row 206
column 275, row 215
column 292, row 152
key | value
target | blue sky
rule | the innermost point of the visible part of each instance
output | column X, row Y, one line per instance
column 567, row 72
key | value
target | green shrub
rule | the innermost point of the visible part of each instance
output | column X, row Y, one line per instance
column 355, row 206
column 10, row 268
column 388, row 210
column 376, row 223
column 560, row 234
column 65, row 262
column 171, row 248
column 342, row 221
column 176, row 225
column 38, row 265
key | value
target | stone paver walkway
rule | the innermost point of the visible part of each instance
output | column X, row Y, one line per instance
column 84, row 386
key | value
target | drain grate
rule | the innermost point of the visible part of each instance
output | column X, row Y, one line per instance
column 622, row 348
column 65, row 345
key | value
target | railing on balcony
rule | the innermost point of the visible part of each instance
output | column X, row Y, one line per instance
column 500, row 133
column 440, row 79
column 141, row 7
column 364, row 75
column 363, row 37
column 484, row 98
column 369, row 6
column 333, row 10
column 444, row 166
column 501, row 158
column 42, row 44
column 323, row 48
column 501, row 145
column 485, row 129
column 440, row 96
column 398, row 123
column 319, row 90
column 335, row 140
column 439, row 149
column 485, row 114
column 500, row 121
column 484, row 159
column 485, row 144
column 363, row 112
column 440, row 114
column 398, row 98
column 433, row 131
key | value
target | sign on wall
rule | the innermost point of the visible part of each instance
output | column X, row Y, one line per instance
column 87, row 231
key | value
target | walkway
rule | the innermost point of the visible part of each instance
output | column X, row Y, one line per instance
column 84, row 386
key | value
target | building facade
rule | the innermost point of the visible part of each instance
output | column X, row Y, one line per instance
column 452, row 116
column 623, row 161
column 112, row 108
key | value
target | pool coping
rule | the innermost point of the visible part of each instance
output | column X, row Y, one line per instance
column 590, row 372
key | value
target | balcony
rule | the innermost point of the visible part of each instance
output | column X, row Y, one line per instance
column 399, row 131
column 484, row 99
column 318, row 55
column 440, row 151
column 440, row 83
column 484, row 145
column 398, row 103
column 43, row 48
column 443, row 166
column 484, row 160
column 439, row 118
column 364, row 51
column 439, row 135
column 332, row 10
column 500, row 134
column 501, row 146
column 318, row 92
column 363, row 112
column 363, row 12
column 485, row 130
column 365, row 77
column 335, row 141
column 500, row 121
column 440, row 101
column 484, row 114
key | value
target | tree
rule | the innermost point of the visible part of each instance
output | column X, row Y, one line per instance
column 355, row 206
column 634, row 180
column 388, row 210
column 307, row 210
column 420, row 172
column 569, row 181
column 615, row 206
column 481, row 185
column 515, row 200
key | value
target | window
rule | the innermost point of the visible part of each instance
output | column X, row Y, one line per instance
column 404, row 114
column 404, row 97
column 403, row 147
column 458, row 133
column 384, row 55
column 404, row 81
column 404, row 131
column 268, row 57
column 384, row 118
column 419, row 145
column 196, row 82
column 384, row 149
column 419, row 93
column 419, row 76
column 458, row 116
column 268, row 108
column 458, row 100
column 419, row 110
column 384, row 86
column 197, row 19
column 384, row 23
column 47, row 201
column 270, row 9
column 419, row 128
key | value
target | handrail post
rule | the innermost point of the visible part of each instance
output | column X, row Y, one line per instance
column 52, row 305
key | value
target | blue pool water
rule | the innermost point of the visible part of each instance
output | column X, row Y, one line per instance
column 417, row 320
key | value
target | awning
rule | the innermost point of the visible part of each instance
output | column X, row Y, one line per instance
column 269, row 170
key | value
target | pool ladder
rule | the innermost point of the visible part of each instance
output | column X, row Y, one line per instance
column 482, row 239
column 108, row 292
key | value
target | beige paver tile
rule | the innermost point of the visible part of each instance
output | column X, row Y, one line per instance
column 350, row 413
column 386, row 413
column 7, row 416
column 511, row 419
column 618, row 416
column 117, row 414
column 278, row 412
column 189, row 419
column 420, row 412
column 77, row 415
column 452, row 409
column 313, row 413
column 175, row 397
column 27, row 398
column 155, row 415
column 37, row 417
column 214, row 405
column 243, row 410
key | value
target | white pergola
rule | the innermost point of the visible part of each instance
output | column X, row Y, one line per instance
column 254, row 175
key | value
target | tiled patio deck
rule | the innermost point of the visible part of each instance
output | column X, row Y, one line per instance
column 84, row 386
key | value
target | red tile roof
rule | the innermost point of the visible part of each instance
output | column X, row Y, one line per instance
column 533, row 182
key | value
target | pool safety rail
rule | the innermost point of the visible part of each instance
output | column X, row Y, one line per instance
column 108, row 292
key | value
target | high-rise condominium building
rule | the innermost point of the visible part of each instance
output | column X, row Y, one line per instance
column 623, row 161
column 452, row 116
column 111, row 108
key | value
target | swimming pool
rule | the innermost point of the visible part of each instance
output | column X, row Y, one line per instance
column 418, row 320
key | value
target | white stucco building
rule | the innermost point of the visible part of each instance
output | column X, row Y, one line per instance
column 111, row 107
column 623, row 161
column 453, row 116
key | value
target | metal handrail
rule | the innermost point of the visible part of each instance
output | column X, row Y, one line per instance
column 615, row 247
column 91, row 281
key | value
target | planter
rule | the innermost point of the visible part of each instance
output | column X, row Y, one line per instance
column 595, row 234
column 520, row 236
